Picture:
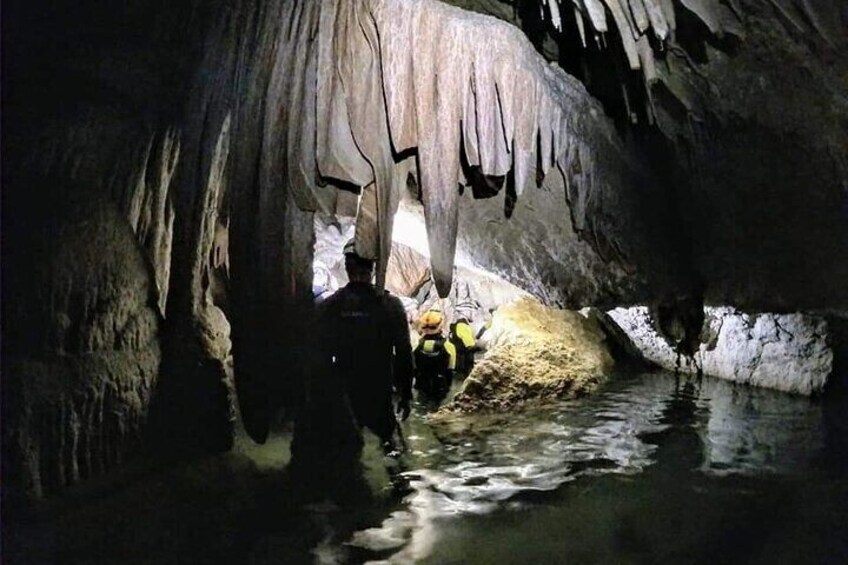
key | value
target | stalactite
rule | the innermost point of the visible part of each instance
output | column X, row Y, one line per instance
column 636, row 19
column 439, row 78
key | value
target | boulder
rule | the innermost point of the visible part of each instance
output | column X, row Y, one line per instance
column 536, row 354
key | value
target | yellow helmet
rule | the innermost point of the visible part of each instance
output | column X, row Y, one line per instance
column 431, row 322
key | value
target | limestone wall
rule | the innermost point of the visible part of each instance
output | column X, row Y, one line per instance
column 787, row 352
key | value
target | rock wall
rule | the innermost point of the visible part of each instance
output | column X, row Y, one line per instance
column 740, row 108
column 787, row 352
column 134, row 107
column 81, row 349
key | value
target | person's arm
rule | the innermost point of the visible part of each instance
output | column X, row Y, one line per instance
column 451, row 351
column 402, row 348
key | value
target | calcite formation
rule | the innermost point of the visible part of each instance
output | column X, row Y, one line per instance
column 453, row 86
column 646, row 28
column 210, row 132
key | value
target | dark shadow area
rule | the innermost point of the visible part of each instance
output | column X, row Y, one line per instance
column 835, row 401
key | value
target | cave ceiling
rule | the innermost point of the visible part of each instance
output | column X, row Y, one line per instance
column 698, row 140
column 751, row 99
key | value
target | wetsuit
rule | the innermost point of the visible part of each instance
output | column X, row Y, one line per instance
column 364, row 344
column 435, row 361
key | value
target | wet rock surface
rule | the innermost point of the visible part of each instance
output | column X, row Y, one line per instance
column 215, row 129
column 749, row 96
column 787, row 352
column 535, row 354
column 408, row 273
column 81, row 350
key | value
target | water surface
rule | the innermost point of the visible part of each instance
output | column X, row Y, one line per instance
column 651, row 469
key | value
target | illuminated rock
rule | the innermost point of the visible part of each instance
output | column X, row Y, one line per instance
column 536, row 354
column 787, row 352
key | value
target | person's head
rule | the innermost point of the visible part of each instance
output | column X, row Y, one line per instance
column 359, row 269
column 430, row 322
column 462, row 315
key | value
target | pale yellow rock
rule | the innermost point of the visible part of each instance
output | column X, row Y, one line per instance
column 536, row 354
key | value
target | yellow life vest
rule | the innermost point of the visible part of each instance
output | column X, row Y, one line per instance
column 429, row 345
column 465, row 334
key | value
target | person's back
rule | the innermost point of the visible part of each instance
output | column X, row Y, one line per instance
column 364, row 348
column 357, row 328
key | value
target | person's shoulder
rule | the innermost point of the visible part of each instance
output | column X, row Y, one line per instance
column 391, row 299
column 332, row 300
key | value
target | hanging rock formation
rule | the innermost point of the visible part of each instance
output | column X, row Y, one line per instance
column 749, row 97
column 453, row 86
column 200, row 138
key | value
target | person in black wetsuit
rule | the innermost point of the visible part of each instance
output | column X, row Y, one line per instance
column 435, row 359
column 364, row 351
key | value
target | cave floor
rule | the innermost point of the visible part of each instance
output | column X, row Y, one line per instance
column 651, row 469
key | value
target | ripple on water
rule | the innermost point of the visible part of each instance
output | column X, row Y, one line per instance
column 471, row 465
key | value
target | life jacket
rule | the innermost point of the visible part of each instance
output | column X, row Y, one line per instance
column 462, row 336
column 431, row 356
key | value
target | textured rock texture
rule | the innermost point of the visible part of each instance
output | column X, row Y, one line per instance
column 407, row 272
column 537, row 249
column 535, row 354
column 81, row 347
column 787, row 352
column 502, row 112
column 214, row 130
column 750, row 98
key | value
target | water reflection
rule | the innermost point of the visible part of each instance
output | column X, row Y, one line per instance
column 657, row 427
column 679, row 445
column 759, row 431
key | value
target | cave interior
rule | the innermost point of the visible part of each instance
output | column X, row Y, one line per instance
column 176, row 176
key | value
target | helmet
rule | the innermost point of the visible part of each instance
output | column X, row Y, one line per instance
column 350, row 247
column 431, row 322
